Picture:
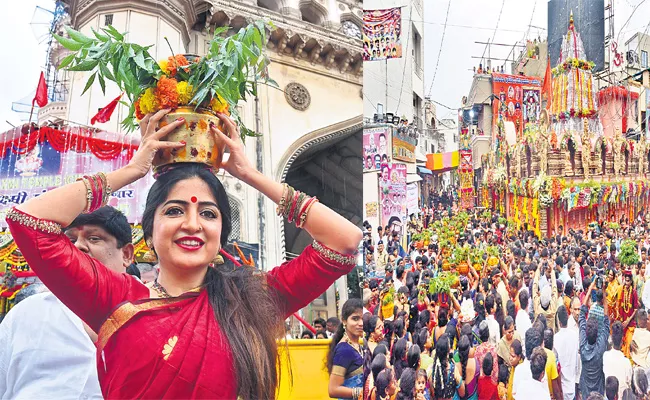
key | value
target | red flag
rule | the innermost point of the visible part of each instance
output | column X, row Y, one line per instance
column 547, row 87
column 41, row 92
column 105, row 113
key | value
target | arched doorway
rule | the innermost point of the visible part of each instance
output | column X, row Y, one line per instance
column 327, row 164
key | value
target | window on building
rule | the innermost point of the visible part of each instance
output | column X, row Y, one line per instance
column 644, row 59
column 273, row 5
column 313, row 12
column 235, row 233
column 108, row 19
column 417, row 51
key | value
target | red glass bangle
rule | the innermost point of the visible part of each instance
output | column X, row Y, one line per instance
column 303, row 211
column 93, row 191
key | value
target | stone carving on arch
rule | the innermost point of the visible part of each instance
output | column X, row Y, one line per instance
column 314, row 12
column 316, row 137
column 352, row 17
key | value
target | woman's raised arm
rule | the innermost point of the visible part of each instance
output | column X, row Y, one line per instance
column 62, row 205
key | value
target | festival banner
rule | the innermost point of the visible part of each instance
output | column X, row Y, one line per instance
column 466, row 172
column 381, row 34
column 371, row 209
column 412, row 199
column 375, row 146
column 517, row 100
column 29, row 172
column 403, row 150
column 392, row 197
column 403, row 146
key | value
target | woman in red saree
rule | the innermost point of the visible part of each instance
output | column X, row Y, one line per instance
column 200, row 330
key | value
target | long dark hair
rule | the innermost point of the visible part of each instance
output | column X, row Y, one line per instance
column 399, row 353
column 413, row 357
column 378, row 365
column 463, row 353
column 234, row 294
column 439, row 376
column 407, row 385
column 349, row 307
column 384, row 378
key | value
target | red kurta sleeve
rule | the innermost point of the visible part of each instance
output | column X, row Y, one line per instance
column 83, row 284
column 307, row 276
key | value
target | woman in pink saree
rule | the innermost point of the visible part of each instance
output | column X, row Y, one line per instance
column 202, row 329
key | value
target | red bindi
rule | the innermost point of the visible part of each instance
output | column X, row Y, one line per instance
column 194, row 199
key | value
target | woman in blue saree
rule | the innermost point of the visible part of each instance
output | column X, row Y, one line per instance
column 345, row 360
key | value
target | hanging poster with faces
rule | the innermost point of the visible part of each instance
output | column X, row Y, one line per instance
column 392, row 197
column 375, row 145
column 517, row 100
column 381, row 34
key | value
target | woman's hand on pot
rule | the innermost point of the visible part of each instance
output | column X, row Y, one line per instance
column 237, row 164
column 151, row 141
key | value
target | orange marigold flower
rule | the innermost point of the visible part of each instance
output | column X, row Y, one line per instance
column 138, row 112
column 178, row 61
column 166, row 93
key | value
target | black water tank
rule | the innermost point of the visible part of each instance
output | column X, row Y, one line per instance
column 589, row 20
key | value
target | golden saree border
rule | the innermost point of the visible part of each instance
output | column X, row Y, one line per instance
column 341, row 371
column 127, row 310
column 356, row 372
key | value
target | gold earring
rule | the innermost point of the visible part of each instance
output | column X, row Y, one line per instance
column 149, row 244
column 218, row 260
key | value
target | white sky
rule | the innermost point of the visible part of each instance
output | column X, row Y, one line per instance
column 454, row 74
column 23, row 58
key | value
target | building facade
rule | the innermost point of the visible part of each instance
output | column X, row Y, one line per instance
column 311, row 127
column 397, row 84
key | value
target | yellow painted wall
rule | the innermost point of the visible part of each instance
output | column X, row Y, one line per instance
column 310, row 378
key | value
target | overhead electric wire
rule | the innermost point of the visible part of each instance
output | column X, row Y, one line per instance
column 628, row 20
column 442, row 41
column 401, row 89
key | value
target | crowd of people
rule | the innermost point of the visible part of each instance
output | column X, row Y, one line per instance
column 557, row 318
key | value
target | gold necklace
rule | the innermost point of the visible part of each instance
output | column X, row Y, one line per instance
column 358, row 349
column 162, row 292
column 627, row 299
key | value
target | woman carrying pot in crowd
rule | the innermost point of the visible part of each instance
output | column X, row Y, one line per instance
column 189, row 334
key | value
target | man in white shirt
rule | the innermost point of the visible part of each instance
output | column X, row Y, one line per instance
column 615, row 363
column 46, row 351
column 567, row 346
column 534, row 388
column 382, row 259
column 522, row 320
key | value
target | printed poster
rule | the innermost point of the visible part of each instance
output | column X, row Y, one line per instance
column 375, row 146
column 403, row 147
column 392, row 197
column 371, row 209
column 381, row 34
column 412, row 199
column 517, row 100
column 27, row 174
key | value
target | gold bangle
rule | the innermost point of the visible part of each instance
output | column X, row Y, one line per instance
column 283, row 200
column 287, row 208
column 89, row 194
column 107, row 191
